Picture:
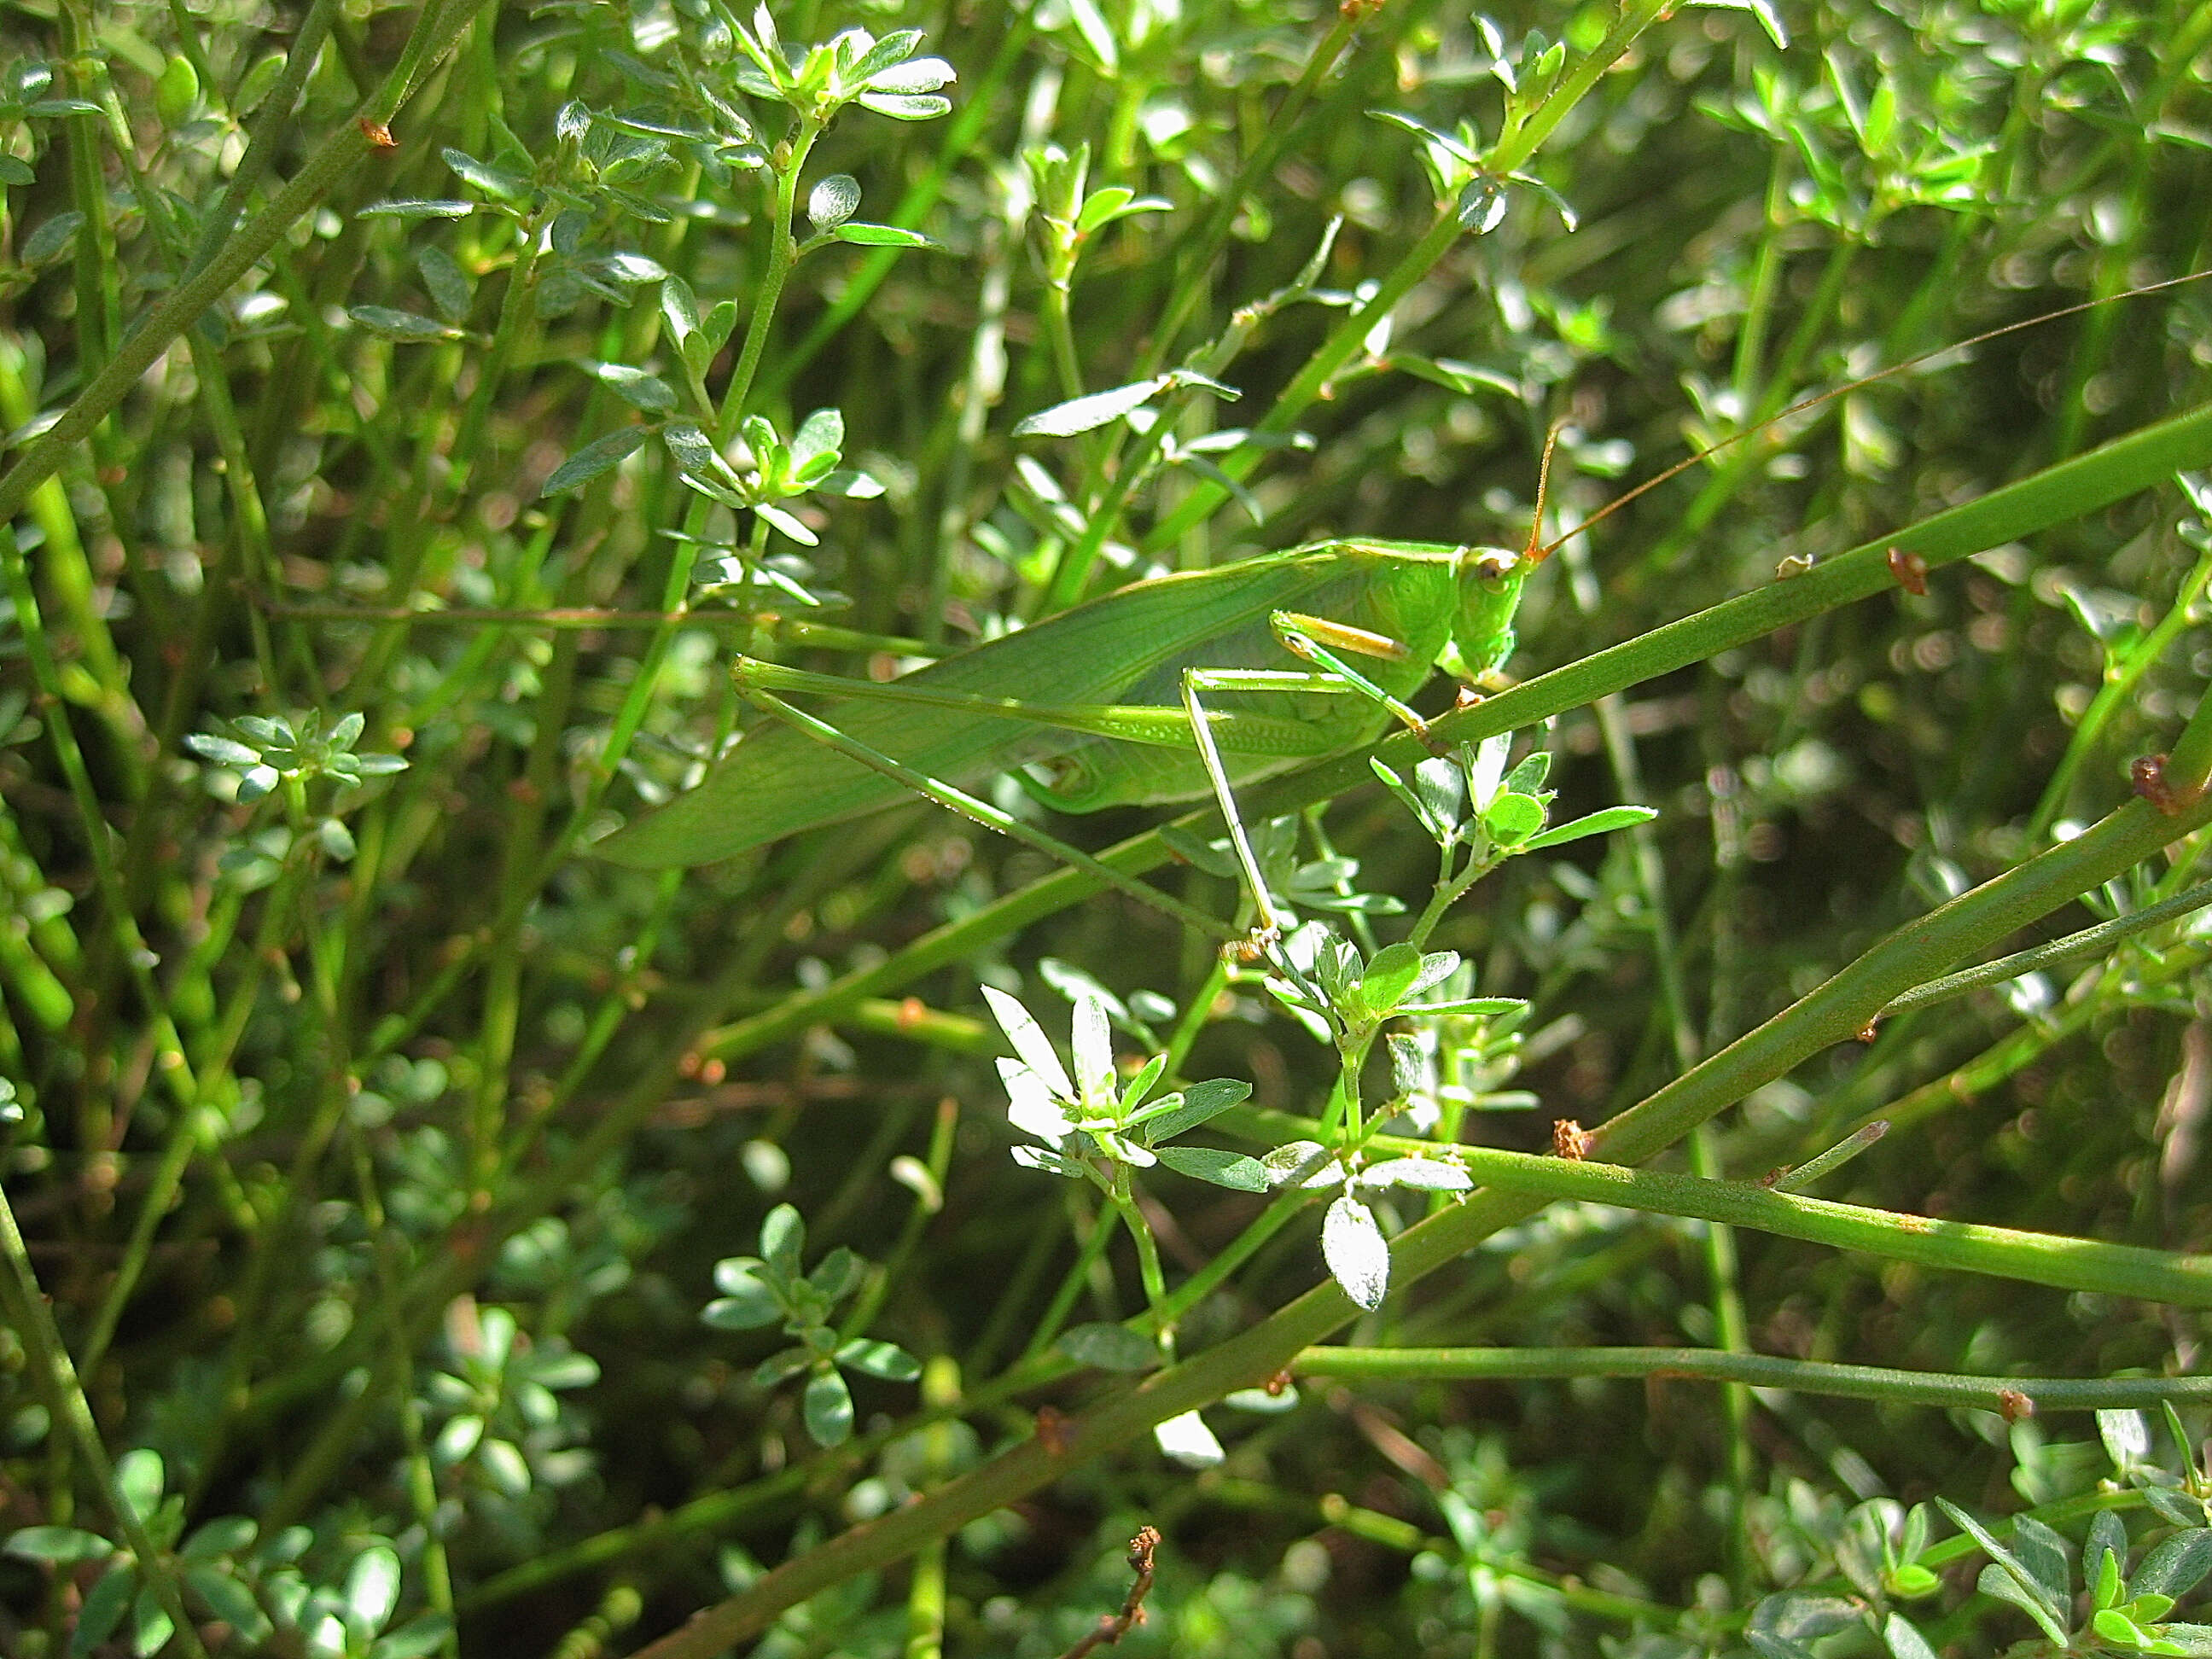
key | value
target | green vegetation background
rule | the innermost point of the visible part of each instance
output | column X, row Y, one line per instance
column 375, row 1144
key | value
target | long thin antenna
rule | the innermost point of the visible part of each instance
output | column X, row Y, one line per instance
column 1684, row 466
column 1537, row 552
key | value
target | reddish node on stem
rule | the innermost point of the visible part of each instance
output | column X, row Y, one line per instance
column 2147, row 775
column 378, row 134
column 1910, row 569
column 1277, row 1384
column 1867, row 1033
column 1053, row 1430
column 1570, row 1141
column 2013, row 1406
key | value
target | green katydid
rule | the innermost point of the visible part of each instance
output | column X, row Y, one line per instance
column 1123, row 725
column 1123, row 672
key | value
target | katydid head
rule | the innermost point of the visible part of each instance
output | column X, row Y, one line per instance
column 1490, row 583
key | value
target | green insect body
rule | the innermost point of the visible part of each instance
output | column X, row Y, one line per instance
column 1117, row 655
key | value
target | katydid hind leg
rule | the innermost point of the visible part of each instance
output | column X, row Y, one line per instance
column 1269, row 927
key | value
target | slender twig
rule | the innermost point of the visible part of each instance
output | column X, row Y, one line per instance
column 2011, row 1396
column 1113, row 1626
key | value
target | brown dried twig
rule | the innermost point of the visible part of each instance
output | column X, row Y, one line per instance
column 1113, row 1626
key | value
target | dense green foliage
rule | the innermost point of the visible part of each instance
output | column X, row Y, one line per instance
column 414, row 410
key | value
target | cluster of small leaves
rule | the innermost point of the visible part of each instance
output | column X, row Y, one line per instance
column 852, row 67
column 1094, row 1122
column 25, row 87
column 1884, row 1551
column 266, row 751
column 1457, row 1062
column 1070, row 212
column 1343, row 998
column 758, row 1291
column 1468, row 800
column 567, row 198
column 501, row 1417
column 260, row 1593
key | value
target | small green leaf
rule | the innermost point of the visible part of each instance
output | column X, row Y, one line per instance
column 2118, row 1628
column 1358, row 1255
column 837, row 1275
column 747, row 1303
column 51, row 240
column 1429, row 1174
column 493, row 181
column 1903, row 1640
column 227, row 1534
column 595, row 458
column 833, row 201
column 1087, row 413
column 903, row 107
column 828, row 1409
column 372, row 1587
column 150, row 1624
column 222, row 750
column 886, row 1360
column 2105, row 1557
column 176, row 90
column 1198, row 1103
column 1513, row 818
column 1234, row 1170
column 1186, row 1440
column 1389, row 976
column 789, row 526
column 640, row 390
column 230, row 1600
column 1108, row 1347
column 139, row 1476
column 416, row 208
column 1597, row 823
column 782, row 1238
column 61, row 1546
column 867, row 235
column 2175, row 1567
column 1305, row 1161
column 417, row 1638
column 783, row 1364
column 403, row 327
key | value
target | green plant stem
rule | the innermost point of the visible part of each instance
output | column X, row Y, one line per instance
column 1071, row 1287
column 2096, row 941
column 2120, row 680
column 1148, row 1256
column 1204, row 246
column 1753, row 1370
column 2074, row 1264
column 783, row 254
column 64, row 1394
